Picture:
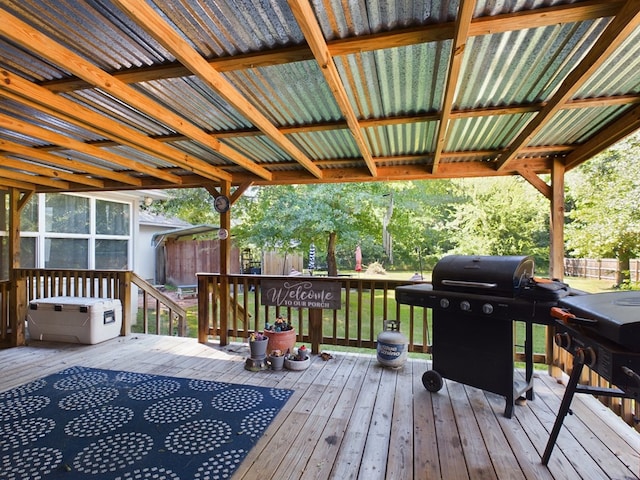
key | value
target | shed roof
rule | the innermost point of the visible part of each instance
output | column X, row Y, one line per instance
column 130, row 94
column 178, row 233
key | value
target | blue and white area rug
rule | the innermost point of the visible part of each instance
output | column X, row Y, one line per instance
column 85, row 423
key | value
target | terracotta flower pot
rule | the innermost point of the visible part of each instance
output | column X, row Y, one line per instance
column 283, row 341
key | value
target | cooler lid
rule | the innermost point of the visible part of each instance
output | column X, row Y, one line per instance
column 70, row 301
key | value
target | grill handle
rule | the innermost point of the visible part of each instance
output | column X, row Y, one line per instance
column 462, row 283
column 568, row 317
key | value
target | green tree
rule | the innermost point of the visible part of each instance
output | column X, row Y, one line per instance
column 193, row 205
column 334, row 217
column 604, row 199
column 501, row 216
column 419, row 223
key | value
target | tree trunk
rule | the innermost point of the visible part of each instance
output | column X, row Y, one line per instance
column 332, row 266
column 624, row 269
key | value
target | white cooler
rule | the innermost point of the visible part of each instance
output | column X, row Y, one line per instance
column 74, row 319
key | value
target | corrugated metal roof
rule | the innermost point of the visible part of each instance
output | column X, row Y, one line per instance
column 270, row 108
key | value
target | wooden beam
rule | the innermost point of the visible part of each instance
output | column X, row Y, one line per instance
column 48, row 172
column 312, row 32
column 42, row 99
column 73, row 165
column 149, row 19
column 623, row 25
column 30, row 177
column 237, row 193
column 461, row 33
column 536, row 181
column 10, row 183
column 22, row 34
column 556, row 263
column 400, row 37
column 72, row 144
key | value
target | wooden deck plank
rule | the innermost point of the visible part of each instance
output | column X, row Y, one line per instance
column 362, row 421
column 476, row 454
column 450, row 453
column 400, row 463
column 426, row 464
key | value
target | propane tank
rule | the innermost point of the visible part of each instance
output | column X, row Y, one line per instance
column 392, row 345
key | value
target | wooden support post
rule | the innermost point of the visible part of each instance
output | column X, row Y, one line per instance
column 204, row 305
column 17, row 294
column 556, row 243
column 315, row 329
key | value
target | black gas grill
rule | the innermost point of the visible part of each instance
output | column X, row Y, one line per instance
column 601, row 331
column 475, row 300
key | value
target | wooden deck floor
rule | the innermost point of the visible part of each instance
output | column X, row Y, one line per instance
column 359, row 420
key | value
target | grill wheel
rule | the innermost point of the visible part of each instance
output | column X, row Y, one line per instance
column 432, row 380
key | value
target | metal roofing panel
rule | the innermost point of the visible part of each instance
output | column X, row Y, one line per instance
column 485, row 133
column 339, row 19
column 619, row 73
column 574, row 126
column 327, row 144
column 396, row 81
column 290, row 94
column 404, row 139
column 96, row 30
column 522, row 66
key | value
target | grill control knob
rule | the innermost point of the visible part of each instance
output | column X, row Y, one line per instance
column 563, row 340
column 586, row 356
column 487, row 308
column 465, row 306
column 444, row 303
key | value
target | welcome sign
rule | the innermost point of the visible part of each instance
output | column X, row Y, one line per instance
column 301, row 293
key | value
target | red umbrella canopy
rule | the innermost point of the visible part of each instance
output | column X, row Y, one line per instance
column 358, row 259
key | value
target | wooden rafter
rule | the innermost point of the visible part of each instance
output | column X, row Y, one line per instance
column 72, row 165
column 624, row 23
column 155, row 25
column 67, row 142
column 59, row 107
column 313, row 34
column 401, row 37
column 47, row 172
column 31, row 178
column 30, row 38
column 465, row 14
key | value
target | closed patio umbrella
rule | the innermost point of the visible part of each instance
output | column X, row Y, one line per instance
column 312, row 258
column 358, row 259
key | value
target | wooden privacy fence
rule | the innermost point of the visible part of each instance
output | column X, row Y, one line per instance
column 602, row 269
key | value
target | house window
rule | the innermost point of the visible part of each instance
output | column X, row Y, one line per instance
column 69, row 231
column 112, row 254
column 112, row 218
column 28, row 252
column 66, row 253
column 67, row 214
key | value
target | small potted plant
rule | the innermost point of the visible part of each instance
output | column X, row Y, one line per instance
column 299, row 361
column 276, row 359
column 258, row 345
column 281, row 335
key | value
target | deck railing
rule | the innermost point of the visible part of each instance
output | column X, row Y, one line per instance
column 159, row 314
column 366, row 303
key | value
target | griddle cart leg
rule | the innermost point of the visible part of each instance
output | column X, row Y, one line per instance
column 564, row 409
column 528, row 353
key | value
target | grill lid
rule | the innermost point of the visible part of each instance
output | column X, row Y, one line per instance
column 483, row 275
